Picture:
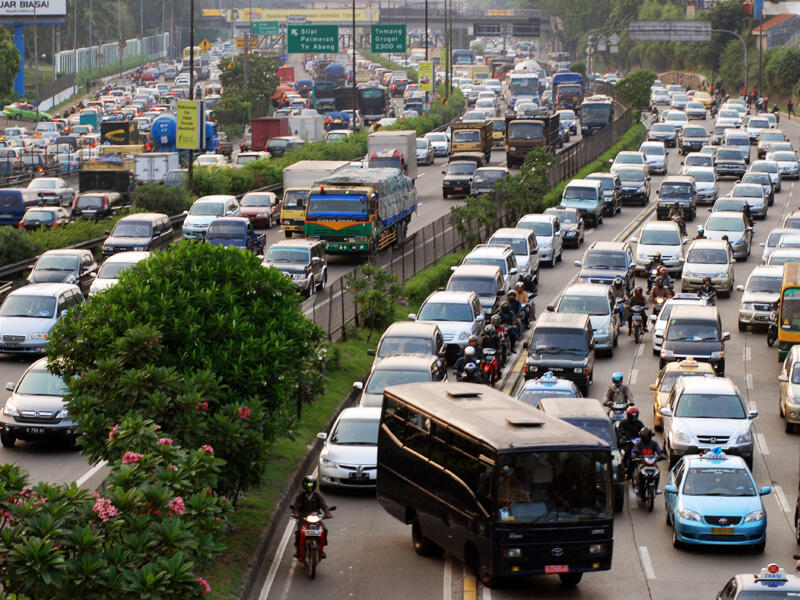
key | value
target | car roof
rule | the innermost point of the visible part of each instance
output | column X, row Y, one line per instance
column 687, row 366
column 560, row 319
column 450, row 297
column 407, row 362
column 730, row 213
column 127, row 257
column 729, row 460
column 477, row 270
column 519, row 232
column 43, row 289
column 487, row 250
column 542, row 217
column 690, row 311
column 767, row 271
column 365, row 413
column 586, row 289
column 679, row 178
column 716, row 244
column 74, row 252
column 295, row 244
column 660, row 225
column 707, row 384
column 419, row 329
column 565, row 408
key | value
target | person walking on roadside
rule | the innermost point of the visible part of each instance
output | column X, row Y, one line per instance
column 789, row 108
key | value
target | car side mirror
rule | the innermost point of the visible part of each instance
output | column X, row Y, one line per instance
column 670, row 489
column 726, row 335
column 762, row 244
column 322, row 436
column 577, row 263
column 412, row 316
column 371, row 352
column 358, row 385
column 765, row 491
column 752, row 414
column 653, row 387
column 10, row 386
column 782, row 378
column 551, row 307
column 665, row 411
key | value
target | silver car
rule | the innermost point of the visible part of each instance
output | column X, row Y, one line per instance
column 705, row 413
column 458, row 315
column 396, row 370
column 789, row 390
column 710, row 258
column 596, row 301
column 35, row 409
column 29, row 313
column 733, row 225
column 655, row 155
column 787, row 163
column 753, row 194
column 770, row 167
column 773, row 239
column 549, row 239
column 760, row 296
column 663, row 237
column 705, row 182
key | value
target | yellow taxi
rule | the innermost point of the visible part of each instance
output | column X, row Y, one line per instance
column 666, row 379
column 704, row 97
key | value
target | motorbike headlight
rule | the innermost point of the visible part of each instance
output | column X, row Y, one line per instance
column 10, row 410
column 746, row 437
column 70, row 279
column 756, row 515
column 682, row 437
column 689, row 515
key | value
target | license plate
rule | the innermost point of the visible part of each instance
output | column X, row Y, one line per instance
column 556, row 568
column 11, row 345
column 359, row 475
column 722, row 530
column 556, row 369
column 35, row 430
column 458, row 189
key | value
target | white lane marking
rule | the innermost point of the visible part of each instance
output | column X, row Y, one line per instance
column 90, row 473
column 273, row 569
column 631, row 496
column 289, row 579
column 447, row 584
column 421, row 174
column 748, row 381
column 486, row 593
column 634, row 376
column 753, row 405
column 747, row 354
column 762, row 444
column 640, row 350
column 781, row 498
column 647, row 565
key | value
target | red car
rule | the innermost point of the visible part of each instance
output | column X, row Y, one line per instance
column 262, row 208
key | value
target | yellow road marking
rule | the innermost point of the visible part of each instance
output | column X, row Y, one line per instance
column 470, row 588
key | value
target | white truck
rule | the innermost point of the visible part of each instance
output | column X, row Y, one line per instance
column 298, row 179
column 152, row 167
column 308, row 127
column 382, row 146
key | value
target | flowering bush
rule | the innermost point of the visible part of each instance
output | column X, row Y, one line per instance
column 141, row 538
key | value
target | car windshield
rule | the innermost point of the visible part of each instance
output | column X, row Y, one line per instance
column 466, row 135
column 445, row 311
column 111, row 270
column 207, row 160
column 694, row 132
column 39, row 215
column 256, row 200
column 461, row 168
column 292, row 255
column 540, row 228
column 628, row 159
column 383, row 378
column 652, row 150
column 669, row 379
column 635, row 175
column 759, row 178
column 675, row 190
column 607, row 183
column 533, row 396
column 761, row 283
column 40, row 382
column 437, row 137
column 518, row 246
column 43, row 307
column 57, row 262
column 764, row 167
column 488, row 175
column 778, row 258
column 422, row 145
column 89, row 202
column 784, row 156
column 728, row 114
column 487, row 260
column 226, row 230
column 689, row 330
column 132, row 229
column 579, row 195
column 660, row 237
column 207, row 209
column 404, row 345
column 520, row 130
column 355, row 432
column 730, row 204
column 547, row 341
column 715, row 223
column 601, row 428
column 663, row 128
column 591, row 305
column 729, row 154
column 604, row 260
column 748, row 191
column 554, row 487
column 482, row 286
column 718, row 481
column 699, row 160
column 566, row 216
column 710, row 406
column 758, row 123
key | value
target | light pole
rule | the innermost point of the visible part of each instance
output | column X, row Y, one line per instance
column 75, row 52
column 191, row 79
column 36, row 56
column 760, row 48
column 355, row 89
column 446, row 47
column 247, row 39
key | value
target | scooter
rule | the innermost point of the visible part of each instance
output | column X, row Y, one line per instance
column 490, row 366
column 616, row 411
column 619, row 308
column 312, row 541
column 772, row 328
column 651, row 278
column 658, row 304
column 471, row 373
column 647, row 476
column 637, row 321
column 709, row 298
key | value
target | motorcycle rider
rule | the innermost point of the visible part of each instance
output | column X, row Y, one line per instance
column 708, row 290
column 617, row 391
column 637, row 299
column 309, row 501
column 526, row 310
column 676, row 213
column 701, row 233
column 644, row 446
column 653, row 266
column 664, row 272
column 748, row 213
column 659, row 290
column 490, row 339
column 627, row 430
column 470, row 356
column 509, row 319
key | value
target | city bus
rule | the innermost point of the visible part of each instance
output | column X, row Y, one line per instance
column 463, row 57
column 504, row 487
column 789, row 310
column 188, row 50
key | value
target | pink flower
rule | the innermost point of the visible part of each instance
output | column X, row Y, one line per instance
column 173, row 468
column 131, row 457
column 104, row 509
column 208, row 449
column 244, row 412
column 164, row 441
column 176, row 506
column 112, row 432
column 204, row 584
column 201, row 406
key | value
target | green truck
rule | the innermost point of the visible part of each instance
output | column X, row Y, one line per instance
column 360, row 211
column 523, row 134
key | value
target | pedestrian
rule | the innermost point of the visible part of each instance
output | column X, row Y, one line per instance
column 790, row 108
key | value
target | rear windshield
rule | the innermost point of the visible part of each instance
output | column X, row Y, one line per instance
column 711, row 256
column 89, row 202
column 693, row 330
column 660, row 237
column 405, row 345
column 482, row 286
column 137, row 229
column 539, row 227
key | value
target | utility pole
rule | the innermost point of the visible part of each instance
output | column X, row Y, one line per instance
column 36, row 56
column 355, row 89
column 75, row 52
column 446, row 48
column 247, row 39
column 191, row 80
column 761, row 51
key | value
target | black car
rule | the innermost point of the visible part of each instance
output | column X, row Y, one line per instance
column 663, row 132
column 605, row 261
column 139, row 232
column 611, row 191
column 677, row 189
column 695, row 331
column 729, row 162
column 458, row 177
column 572, row 225
column 691, row 138
column 635, row 184
column 97, row 204
column 65, row 266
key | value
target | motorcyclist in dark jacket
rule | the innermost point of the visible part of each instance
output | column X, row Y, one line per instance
column 508, row 319
column 627, row 430
column 306, row 502
column 470, row 356
column 708, row 291
column 617, row 391
column 644, row 446
column 490, row 339
column 637, row 299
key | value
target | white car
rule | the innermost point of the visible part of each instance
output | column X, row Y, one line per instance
column 210, row 160
column 660, row 321
column 759, row 295
column 627, row 158
column 755, row 126
column 548, row 234
column 663, row 237
column 676, row 118
column 788, row 166
column 458, row 315
column 705, row 182
column 109, row 272
column 772, row 241
column 440, row 143
column 655, row 155
column 729, row 117
column 695, row 110
column 487, row 106
column 349, row 456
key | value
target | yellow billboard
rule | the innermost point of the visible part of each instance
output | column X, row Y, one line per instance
column 190, row 124
column 318, row 15
column 425, row 70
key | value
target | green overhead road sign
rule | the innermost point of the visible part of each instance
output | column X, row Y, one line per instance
column 264, row 28
column 313, row 39
column 388, row 38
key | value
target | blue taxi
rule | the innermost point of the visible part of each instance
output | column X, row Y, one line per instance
column 712, row 499
column 547, row 386
column 771, row 581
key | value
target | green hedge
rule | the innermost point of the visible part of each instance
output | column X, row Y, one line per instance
column 417, row 288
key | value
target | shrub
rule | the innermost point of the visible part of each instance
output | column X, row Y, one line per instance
column 168, row 199
column 15, row 246
column 223, row 349
column 155, row 520
column 207, row 181
column 634, row 89
column 375, row 293
column 417, row 288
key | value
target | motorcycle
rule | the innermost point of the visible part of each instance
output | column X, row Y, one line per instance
column 772, row 328
column 616, row 411
column 312, row 541
column 651, row 278
column 637, row 321
column 490, row 366
column 658, row 304
column 709, row 297
column 471, row 373
column 680, row 223
column 647, row 476
column 505, row 343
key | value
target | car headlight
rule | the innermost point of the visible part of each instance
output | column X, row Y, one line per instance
column 602, row 331
column 70, row 279
column 10, row 410
column 261, row 215
column 666, row 353
column 463, row 335
column 746, row 437
column 717, row 355
column 38, row 336
column 689, row 515
column 747, row 307
column 327, row 462
column 681, row 436
column 756, row 515
column 63, row 414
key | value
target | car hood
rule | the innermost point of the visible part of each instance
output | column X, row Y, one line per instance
column 609, row 274
column 453, row 328
column 126, row 241
column 248, row 211
column 689, row 348
column 704, row 185
column 198, row 220
column 567, row 227
column 38, row 403
column 654, row 159
column 25, row 325
column 760, row 297
column 711, row 427
column 50, row 276
column 98, row 285
column 722, row 505
column 705, row 269
column 351, row 455
column 733, row 236
column 599, row 321
column 288, row 267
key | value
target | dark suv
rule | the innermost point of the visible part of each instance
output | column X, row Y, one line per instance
column 605, row 261
column 678, row 189
column 139, row 232
column 97, row 205
column 303, row 261
column 691, row 138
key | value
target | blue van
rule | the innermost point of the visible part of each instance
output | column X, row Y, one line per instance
column 14, row 202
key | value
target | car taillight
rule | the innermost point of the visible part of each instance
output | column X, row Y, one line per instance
column 105, row 202
column 21, row 225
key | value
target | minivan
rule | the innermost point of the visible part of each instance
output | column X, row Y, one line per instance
column 139, row 232
column 523, row 244
column 206, row 209
column 586, row 195
column 597, row 302
column 485, row 280
column 14, row 202
column 549, row 239
column 605, row 261
column 563, row 344
column 677, row 189
column 738, row 139
column 695, row 331
column 497, row 256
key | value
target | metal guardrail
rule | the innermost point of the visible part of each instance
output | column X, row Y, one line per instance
column 16, row 180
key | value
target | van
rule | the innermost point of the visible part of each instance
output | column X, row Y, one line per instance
column 563, row 344
column 680, row 190
column 738, row 139
column 588, row 414
column 586, row 195
column 206, row 209
column 497, row 256
column 695, row 331
column 549, row 239
column 523, row 244
column 14, row 202
column 139, row 232
column 485, row 280
column 597, row 301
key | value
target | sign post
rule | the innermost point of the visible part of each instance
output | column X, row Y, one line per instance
column 313, row 39
column 425, row 70
column 389, row 39
column 190, row 125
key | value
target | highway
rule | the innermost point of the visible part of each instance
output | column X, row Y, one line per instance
column 370, row 553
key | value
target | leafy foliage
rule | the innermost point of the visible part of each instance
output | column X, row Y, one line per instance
column 261, row 78
column 634, row 89
column 9, row 62
column 170, row 200
column 223, row 348
column 157, row 518
column 375, row 293
column 15, row 246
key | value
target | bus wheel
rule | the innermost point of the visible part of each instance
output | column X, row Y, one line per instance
column 570, row 579
column 422, row 545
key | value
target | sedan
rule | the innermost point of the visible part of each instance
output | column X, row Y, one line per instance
column 787, row 163
column 729, row 117
column 48, row 217
column 439, row 142
column 349, row 456
column 655, row 155
column 702, row 487
column 262, row 208
column 635, row 184
column 425, row 152
column 764, row 181
column 676, row 118
column 695, row 110
column 753, row 194
column 734, row 225
column 65, row 266
column 770, row 167
column 662, row 132
column 24, row 110
column 53, row 191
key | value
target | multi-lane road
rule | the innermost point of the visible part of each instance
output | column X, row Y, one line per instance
column 370, row 553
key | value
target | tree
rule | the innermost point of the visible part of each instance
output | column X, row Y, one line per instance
column 9, row 62
column 216, row 363
column 523, row 193
column 261, row 78
column 375, row 294
column 634, row 89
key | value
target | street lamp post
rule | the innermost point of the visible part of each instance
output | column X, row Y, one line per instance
column 760, row 49
column 355, row 89
column 36, row 56
column 191, row 79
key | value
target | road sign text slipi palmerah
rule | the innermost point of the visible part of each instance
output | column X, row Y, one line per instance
column 313, row 39
column 388, row 38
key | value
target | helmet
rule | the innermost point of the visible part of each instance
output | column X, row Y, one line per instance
column 472, row 338
column 637, row 291
column 700, row 229
column 505, row 307
column 725, row 237
column 632, row 412
column 496, row 320
column 663, row 271
column 617, row 378
column 469, row 352
column 519, row 285
column 707, row 279
column 309, row 483
column 656, row 255
column 617, row 281
column 512, row 294
column 527, row 278
column 489, row 329
column 676, row 205
column 659, row 280
column 645, row 434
